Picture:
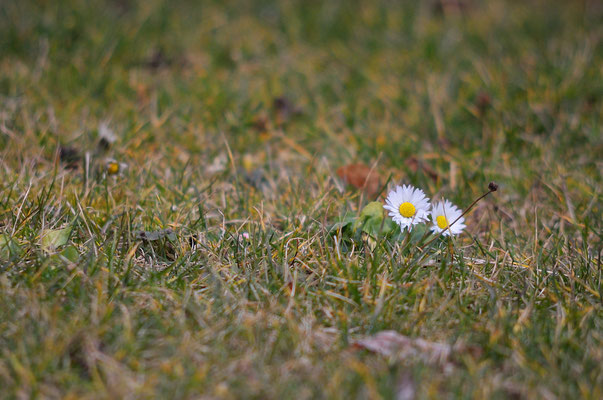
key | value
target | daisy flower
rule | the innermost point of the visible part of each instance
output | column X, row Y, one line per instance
column 445, row 213
column 407, row 206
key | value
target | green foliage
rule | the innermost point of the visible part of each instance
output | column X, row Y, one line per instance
column 8, row 247
column 54, row 238
column 371, row 221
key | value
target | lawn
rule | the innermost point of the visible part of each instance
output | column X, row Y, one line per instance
column 185, row 210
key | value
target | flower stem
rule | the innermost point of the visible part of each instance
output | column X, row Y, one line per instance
column 492, row 187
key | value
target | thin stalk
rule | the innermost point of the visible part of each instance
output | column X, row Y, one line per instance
column 492, row 187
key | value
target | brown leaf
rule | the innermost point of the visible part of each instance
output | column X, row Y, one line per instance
column 450, row 7
column 158, row 59
column 362, row 177
column 260, row 123
column 444, row 143
column 284, row 109
column 70, row 156
column 155, row 235
column 483, row 102
column 392, row 344
column 414, row 164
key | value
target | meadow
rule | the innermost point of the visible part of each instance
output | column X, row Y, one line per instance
column 184, row 192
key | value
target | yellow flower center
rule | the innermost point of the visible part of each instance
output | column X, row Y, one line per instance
column 407, row 210
column 112, row 168
column 442, row 222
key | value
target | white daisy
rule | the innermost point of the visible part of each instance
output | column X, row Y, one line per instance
column 407, row 206
column 445, row 213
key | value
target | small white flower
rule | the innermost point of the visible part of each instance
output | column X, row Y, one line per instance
column 445, row 213
column 407, row 206
column 106, row 134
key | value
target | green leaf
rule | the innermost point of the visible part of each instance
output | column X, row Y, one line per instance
column 53, row 238
column 8, row 247
column 70, row 253
column 371, row 220
column 374, row 209
column 418, row 233
column 345, row 224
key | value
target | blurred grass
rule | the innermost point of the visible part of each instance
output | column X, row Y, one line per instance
column 500, row 90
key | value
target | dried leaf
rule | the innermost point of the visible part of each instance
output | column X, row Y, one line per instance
column 414, row 164
column 361, row 177
column 260, row 123
column 155, row 235
column 256, row 178
column 158, row 59
column 392, row 344
column 70, row 156
column 218, row 164
column 284, row 109
column 450, row 7
column 483, row 102
column 444, row 143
